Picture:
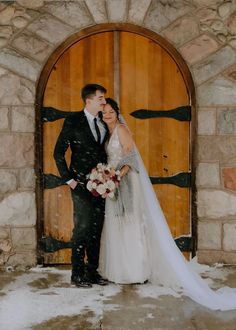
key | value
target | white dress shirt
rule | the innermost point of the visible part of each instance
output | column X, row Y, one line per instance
column 101, row 127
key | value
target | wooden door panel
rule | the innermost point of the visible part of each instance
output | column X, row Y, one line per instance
column 150, row 79
column 88, row 61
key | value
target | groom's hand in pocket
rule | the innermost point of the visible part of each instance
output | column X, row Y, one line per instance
column 73, row 184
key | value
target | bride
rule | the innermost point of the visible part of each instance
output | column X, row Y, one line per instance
column 136, row 243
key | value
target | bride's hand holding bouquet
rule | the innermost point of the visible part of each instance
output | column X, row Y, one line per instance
column 103, row 181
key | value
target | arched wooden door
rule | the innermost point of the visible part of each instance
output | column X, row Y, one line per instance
column 142, row 76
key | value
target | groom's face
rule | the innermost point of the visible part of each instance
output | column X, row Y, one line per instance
column 96, row 102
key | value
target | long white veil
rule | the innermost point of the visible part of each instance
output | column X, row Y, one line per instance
column 168, row 266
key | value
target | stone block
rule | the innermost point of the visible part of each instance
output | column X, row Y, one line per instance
column 27, row 178
column 32, row 4
column 226, row 121
column 138, row 10
column 23, row 119
column 5, row 245
column 45, row 27
column 208, row 175
column 206, row 122
column 5, row 251
column 214, row 64
column 23, row 239
column 117, row 10
column 18, row 150
column 182, row 30
column 32, row 46
column 229, row 234
column 217, row 148
column 98, row 9
column 4, row 118
column 24, row 66
column 8, row 181
column 232, row 23
column 215, row 204
column 19, row 22
column 209, row 235
column 224, row 9
column 3, row 42
column 74, row 13
column 232, row 43
column 6, row 32
column 6, row 15
column 208, row 12
column 217, row 25
column 220, row 91
column 211, row 257
column 2, row 5
column 230, row 73
column 18, row 209
column 229, row 177
column 15, row 90
column 5, row 242
column 198, row 48
column 4, row 232
column 22, row 260
column 160, row 14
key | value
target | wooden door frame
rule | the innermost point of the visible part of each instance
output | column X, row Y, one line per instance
column 40, row 89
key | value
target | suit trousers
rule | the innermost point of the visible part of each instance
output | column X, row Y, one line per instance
column 88, row 215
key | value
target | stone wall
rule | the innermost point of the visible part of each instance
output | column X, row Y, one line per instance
column 203, row 31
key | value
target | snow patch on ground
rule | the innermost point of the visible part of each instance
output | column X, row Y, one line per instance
column 154, row 291
column 45, row 293
column 24, row 305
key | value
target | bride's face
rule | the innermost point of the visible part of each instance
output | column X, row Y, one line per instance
column 109, row 115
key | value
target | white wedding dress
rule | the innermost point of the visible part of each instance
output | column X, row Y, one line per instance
column 136, row 243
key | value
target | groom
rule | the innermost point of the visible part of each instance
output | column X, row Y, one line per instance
column 85, row 134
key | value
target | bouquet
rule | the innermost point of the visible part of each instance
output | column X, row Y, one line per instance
column 103, row 181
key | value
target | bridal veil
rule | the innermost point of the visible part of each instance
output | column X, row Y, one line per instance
column 169, row 267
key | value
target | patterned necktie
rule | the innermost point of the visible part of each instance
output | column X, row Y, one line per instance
column 97, row 131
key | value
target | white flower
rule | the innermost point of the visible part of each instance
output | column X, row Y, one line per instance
column 94, row 185
column 111, row 194
column 100, row 166
column 93, row 176
column 111, row 185
column 89, row 185
column 101, row 189
column 99, row 177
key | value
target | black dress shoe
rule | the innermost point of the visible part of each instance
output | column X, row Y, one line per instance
column 99, row 281
column 96, row 279
column 80, row 282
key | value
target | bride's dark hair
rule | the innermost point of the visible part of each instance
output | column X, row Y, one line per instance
column 114, row 105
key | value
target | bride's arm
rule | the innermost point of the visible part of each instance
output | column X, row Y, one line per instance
column 127, row 143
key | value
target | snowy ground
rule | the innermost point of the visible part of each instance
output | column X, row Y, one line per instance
column 41, row 294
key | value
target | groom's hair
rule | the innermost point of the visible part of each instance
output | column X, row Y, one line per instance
column 89, row 90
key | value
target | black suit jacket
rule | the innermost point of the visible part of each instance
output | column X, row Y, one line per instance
column 86, row 153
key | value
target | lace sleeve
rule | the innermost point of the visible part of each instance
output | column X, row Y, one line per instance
column 130, row 159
